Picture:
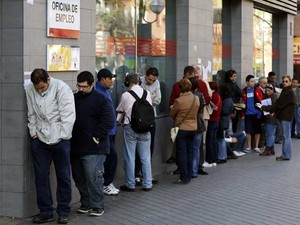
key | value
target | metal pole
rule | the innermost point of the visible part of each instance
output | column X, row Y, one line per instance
column 135, row 28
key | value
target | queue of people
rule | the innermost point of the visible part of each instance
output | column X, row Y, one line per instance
column 260, row 108
column 77, row 131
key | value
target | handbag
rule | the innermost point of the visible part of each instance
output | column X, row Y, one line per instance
column 175, row 127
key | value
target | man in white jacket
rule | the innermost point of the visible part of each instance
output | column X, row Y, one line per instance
column 51, row 115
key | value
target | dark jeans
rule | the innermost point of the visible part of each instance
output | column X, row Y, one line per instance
column 185, row 141
column 211, row 142
column 43, row 155
column 88, row 172
column 110, row 164
column 138, row 164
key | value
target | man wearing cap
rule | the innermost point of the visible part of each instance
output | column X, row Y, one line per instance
column 103, row 85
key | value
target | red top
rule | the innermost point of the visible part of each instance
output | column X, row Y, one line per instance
column 176, row 92
column 216, row 99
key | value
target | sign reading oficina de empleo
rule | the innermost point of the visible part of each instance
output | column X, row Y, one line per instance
column 63, row 18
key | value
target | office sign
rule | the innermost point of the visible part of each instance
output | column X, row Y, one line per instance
column 63, row 58
column 63, row 18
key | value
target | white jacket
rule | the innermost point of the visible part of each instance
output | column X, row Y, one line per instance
column 51, row 115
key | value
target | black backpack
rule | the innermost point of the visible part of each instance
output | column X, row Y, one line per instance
column 142, row 115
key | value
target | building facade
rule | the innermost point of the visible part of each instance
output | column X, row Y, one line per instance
column 250, row 36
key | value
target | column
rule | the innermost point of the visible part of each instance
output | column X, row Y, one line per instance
column 194, row 19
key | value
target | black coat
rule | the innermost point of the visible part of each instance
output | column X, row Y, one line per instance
column 94, row 118
column 285, row 104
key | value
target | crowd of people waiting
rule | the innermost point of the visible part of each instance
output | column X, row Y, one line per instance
column 231, row 122
column 217, row 121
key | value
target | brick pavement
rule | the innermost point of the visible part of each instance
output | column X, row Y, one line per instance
column 250, row 190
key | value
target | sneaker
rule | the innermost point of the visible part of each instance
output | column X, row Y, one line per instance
column 125, row 188
column 109, row 190
column 138, row 181
column 238, row 154
column 84, row 209
column 147, row 189
column 39, row 219
column 114, row 188
column 214, row 164
column 63, row 220
column 247, row 150
column 97, row 212
column 256, row 150
column 207, row 165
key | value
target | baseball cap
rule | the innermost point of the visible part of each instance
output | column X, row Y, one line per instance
column 104, row 73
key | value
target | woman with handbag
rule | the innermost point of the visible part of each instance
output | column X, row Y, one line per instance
column 184, row 112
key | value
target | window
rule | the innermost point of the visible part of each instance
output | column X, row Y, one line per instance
column 262, row 39
column 125, row 43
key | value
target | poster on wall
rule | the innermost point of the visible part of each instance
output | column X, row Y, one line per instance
column 63, row 18
column 63, row 58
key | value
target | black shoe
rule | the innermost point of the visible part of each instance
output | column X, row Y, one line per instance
column 147, row 189
column 202, row 172
column 278, row 142
column 233, row 156
column 84, row 209
column 125, row 188
column 171, row 160
column 194, row 177
column 39, row 219
column 63, row 220
column 177, row 171
column 220, row 161
column 97, row 212
column 154, row 181
column 180, row 182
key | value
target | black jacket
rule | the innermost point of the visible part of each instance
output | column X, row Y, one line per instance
column 285, row 104
column 94, row 118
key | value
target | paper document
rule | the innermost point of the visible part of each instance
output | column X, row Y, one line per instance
column 266, row 102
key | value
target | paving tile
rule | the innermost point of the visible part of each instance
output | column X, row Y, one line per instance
column 251, row 190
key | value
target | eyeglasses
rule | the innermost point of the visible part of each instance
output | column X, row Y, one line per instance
column 83, row 86
column 285, row 81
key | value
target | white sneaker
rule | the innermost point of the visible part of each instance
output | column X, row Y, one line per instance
column 108, row 190
column 114, row 188
column 257, row 150
column 207, row 165
column 247, row 150
column 238, row 154
column 214, row 164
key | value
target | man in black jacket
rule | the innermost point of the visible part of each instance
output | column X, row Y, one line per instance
column 90, row 143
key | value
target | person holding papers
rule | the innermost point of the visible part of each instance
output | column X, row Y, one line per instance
column 284, row 108
column 270, row 120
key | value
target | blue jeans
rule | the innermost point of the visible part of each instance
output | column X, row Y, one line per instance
column 136, row 142
column 43, row 155
column 222, row 148
column 196, row 152
column 185, row 142
column 88, row 176
column 286, row 139
column 241, row 138
column 297, row 119
column 211, row 142
column 270, row 129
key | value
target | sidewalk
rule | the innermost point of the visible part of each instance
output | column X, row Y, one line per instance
column 249, row 190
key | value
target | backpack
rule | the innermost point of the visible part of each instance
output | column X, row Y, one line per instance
column 142, row 115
